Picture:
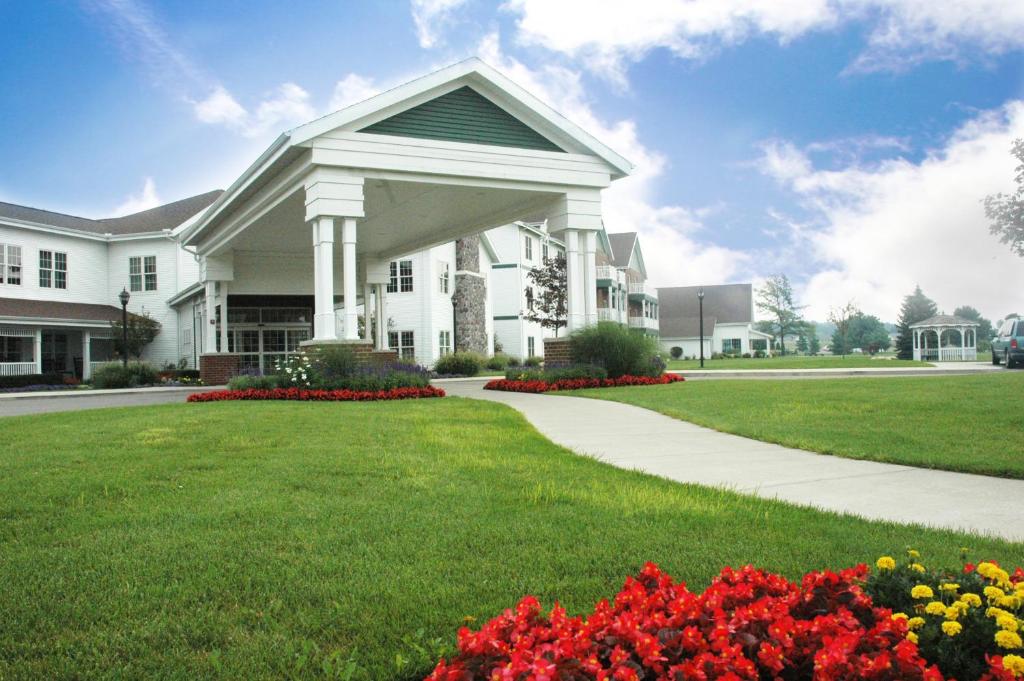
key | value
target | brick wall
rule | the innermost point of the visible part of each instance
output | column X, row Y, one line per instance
column 217, row 369
column 557, row 350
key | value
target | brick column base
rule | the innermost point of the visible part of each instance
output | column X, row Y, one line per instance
column 557, row 350
column 364, row 352
column 217, row 369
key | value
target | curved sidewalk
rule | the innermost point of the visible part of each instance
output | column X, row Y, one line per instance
column 636, row 438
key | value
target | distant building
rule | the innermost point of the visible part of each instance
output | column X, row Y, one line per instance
column 728, row 320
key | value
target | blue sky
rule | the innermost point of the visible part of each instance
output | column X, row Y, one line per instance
column 845, row 143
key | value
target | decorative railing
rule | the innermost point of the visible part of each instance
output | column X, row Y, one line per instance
column 957, row 354
column 605, row 272
column 643, row 288
column 17, row 368
column 643, row 323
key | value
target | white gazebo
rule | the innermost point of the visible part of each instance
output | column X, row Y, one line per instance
column 945, row 338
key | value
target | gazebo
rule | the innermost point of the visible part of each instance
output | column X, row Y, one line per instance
column 945, row 338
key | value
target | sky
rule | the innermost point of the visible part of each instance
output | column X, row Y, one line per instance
column 845, row 143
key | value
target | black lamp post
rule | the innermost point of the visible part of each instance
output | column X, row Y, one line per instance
column 124, row 297
column 700, row 306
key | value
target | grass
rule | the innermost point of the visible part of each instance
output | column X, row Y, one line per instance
column 796, row 362
column 966, row 423
column 305, row 540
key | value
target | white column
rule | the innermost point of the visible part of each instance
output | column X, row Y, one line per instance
column 575, row 300
column 223, row 316
column 382, row 324
column 37, row 351
column 86, row 354
column 210, row 332
column 323, row 279
column 367, row 290
column 348, row 271
column 590, row 276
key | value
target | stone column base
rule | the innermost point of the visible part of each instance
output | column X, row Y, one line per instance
column 363, row 350
column 218, row 369
column 557, row 350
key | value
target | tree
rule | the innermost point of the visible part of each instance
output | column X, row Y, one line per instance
column 801, row 343
column 1006, row 211
column 841, row 318
column 547, row 305
column 775, row 299
column 814, row 345
column 985, row 330
column 863, row 331
column 142, row 329
column 916, row 307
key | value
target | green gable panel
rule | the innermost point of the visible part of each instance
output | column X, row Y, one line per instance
column 463, row 116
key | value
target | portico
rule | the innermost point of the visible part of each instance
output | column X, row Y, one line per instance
column 331, row 204
column 945, row 338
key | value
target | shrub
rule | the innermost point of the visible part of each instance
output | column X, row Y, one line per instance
column 250, row 382
column 746, row 355
column 114, row 375
column 521, row 385
column 498, row 362
column 303, row 395
column 676, row 352
column 534, row 361
column 30, row 379
column 619, row 350
column 555, row 372
column 759, row 354
column 513, row 361
column 389, row 376
column 333, row 363
column 460, row 363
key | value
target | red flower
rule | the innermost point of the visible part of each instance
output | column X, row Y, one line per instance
column 536, row 386
column 302, row 394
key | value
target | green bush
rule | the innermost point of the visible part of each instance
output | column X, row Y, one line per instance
column 30, row 379
column 245, row 382
column 513, row 361
column 332, row 363
column 115, row 375
column 533, row 361
column 386, row 377
column 557, row 373
column 616, row 348
column 460, row 364
column 498, row 363
column 676, row 352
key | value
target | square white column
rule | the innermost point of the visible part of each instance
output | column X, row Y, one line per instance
column 210, row 332
column 348, row 272
column 381, row 321
column 367, row 309
column 323, row 279
column 224, row 316
column 37, row 351
column 590, row 277
column 86, row 355
column 575, row 295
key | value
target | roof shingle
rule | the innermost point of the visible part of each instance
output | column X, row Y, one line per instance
column 679, row 310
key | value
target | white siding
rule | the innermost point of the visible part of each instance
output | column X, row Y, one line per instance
column 87, row 267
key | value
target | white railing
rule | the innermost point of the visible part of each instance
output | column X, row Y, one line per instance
column 958, row 354
column 643, row 323
column 606, row 314
column 643, row 288
column 17, row 368
column 605, row 272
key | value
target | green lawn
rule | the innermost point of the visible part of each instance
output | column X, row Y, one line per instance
column 963, row 423
column 280, row 540
column 796, row 362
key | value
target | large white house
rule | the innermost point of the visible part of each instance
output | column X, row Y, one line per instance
column 728, row 312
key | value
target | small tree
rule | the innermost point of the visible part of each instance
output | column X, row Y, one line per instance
column 775, row 299
column 142, row 329
column 984, row 331
column 814, row 345
column 916, row 308
column 1006, row 211
column 547, row 306
column 801, row 343
column 841, row 318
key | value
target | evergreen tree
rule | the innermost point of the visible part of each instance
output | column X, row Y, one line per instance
column 814, row 345
column 916, row 307
column 801, row 343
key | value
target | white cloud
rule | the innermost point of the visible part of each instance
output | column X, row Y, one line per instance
column 884, row 228
column 351, row 89
column 285, row 106
column 608, row 35
column 430, row 16
column 139, row 202
column 668, row 233
column 220, row 107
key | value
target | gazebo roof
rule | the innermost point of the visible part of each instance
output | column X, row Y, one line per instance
column 944, row 320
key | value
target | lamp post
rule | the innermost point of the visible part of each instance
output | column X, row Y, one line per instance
column 700, row 306
column 124, row 297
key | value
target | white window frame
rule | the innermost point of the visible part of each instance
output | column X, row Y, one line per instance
column 140, row 269
column 397, row 341
column 443, row 278
column 544, row 251
column 531, row 346
column 9, row 254
column 528, row 248
column 444, row 342
column 401, row 277
column 50, row 274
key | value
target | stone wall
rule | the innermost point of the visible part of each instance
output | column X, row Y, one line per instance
column 470, row 298
column 218, row 369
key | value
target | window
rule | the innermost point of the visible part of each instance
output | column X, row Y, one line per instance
column 731, row 345
column 529, row 298
column 402, row 341
column 401, row 277
column 16, row 349
column 544, row 251
column 530, row 347
column 10, row 264
column 445, row 342
column 443, row 278
column 142, row 273
column 529, row 247
column 53, row 269
column 759, row 344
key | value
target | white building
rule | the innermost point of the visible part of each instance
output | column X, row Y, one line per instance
column 728, row 320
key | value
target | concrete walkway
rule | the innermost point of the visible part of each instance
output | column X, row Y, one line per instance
column 20, row 404
column 942, row 369
column 636, row 438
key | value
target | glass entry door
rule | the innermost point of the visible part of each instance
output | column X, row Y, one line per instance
column 55, row 352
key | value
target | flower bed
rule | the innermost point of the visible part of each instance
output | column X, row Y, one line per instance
column 303, row 395
column 538, row 386
column 749, row 624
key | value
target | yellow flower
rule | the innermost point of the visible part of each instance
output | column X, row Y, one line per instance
column 1008, row 639
column 1012, row 602
column 986, row 569
column 935, row 608
column 917, row 567
column 913, row 554
column 972, row 600
column 924, row 591
column 915, row 623
column 951, row 628
column 912, row 637
column 961, row 607
column 993, row 592
column 885, row 563
column 949, row 587
column 899, row 615
column 1007, row 623
column 1014, row 664
column 995, row 612
column 952, row 613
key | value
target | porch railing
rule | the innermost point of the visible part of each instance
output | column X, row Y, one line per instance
column 17, row 368
column 643, row 288
column 958, row 354
column 643, row 323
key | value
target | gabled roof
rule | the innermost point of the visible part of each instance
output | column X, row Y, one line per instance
column 156, row 219
column 678, row 306
column 685, row 327
column 622, row 247
column 483, row 80
column 57, row 310
column 945, row 320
